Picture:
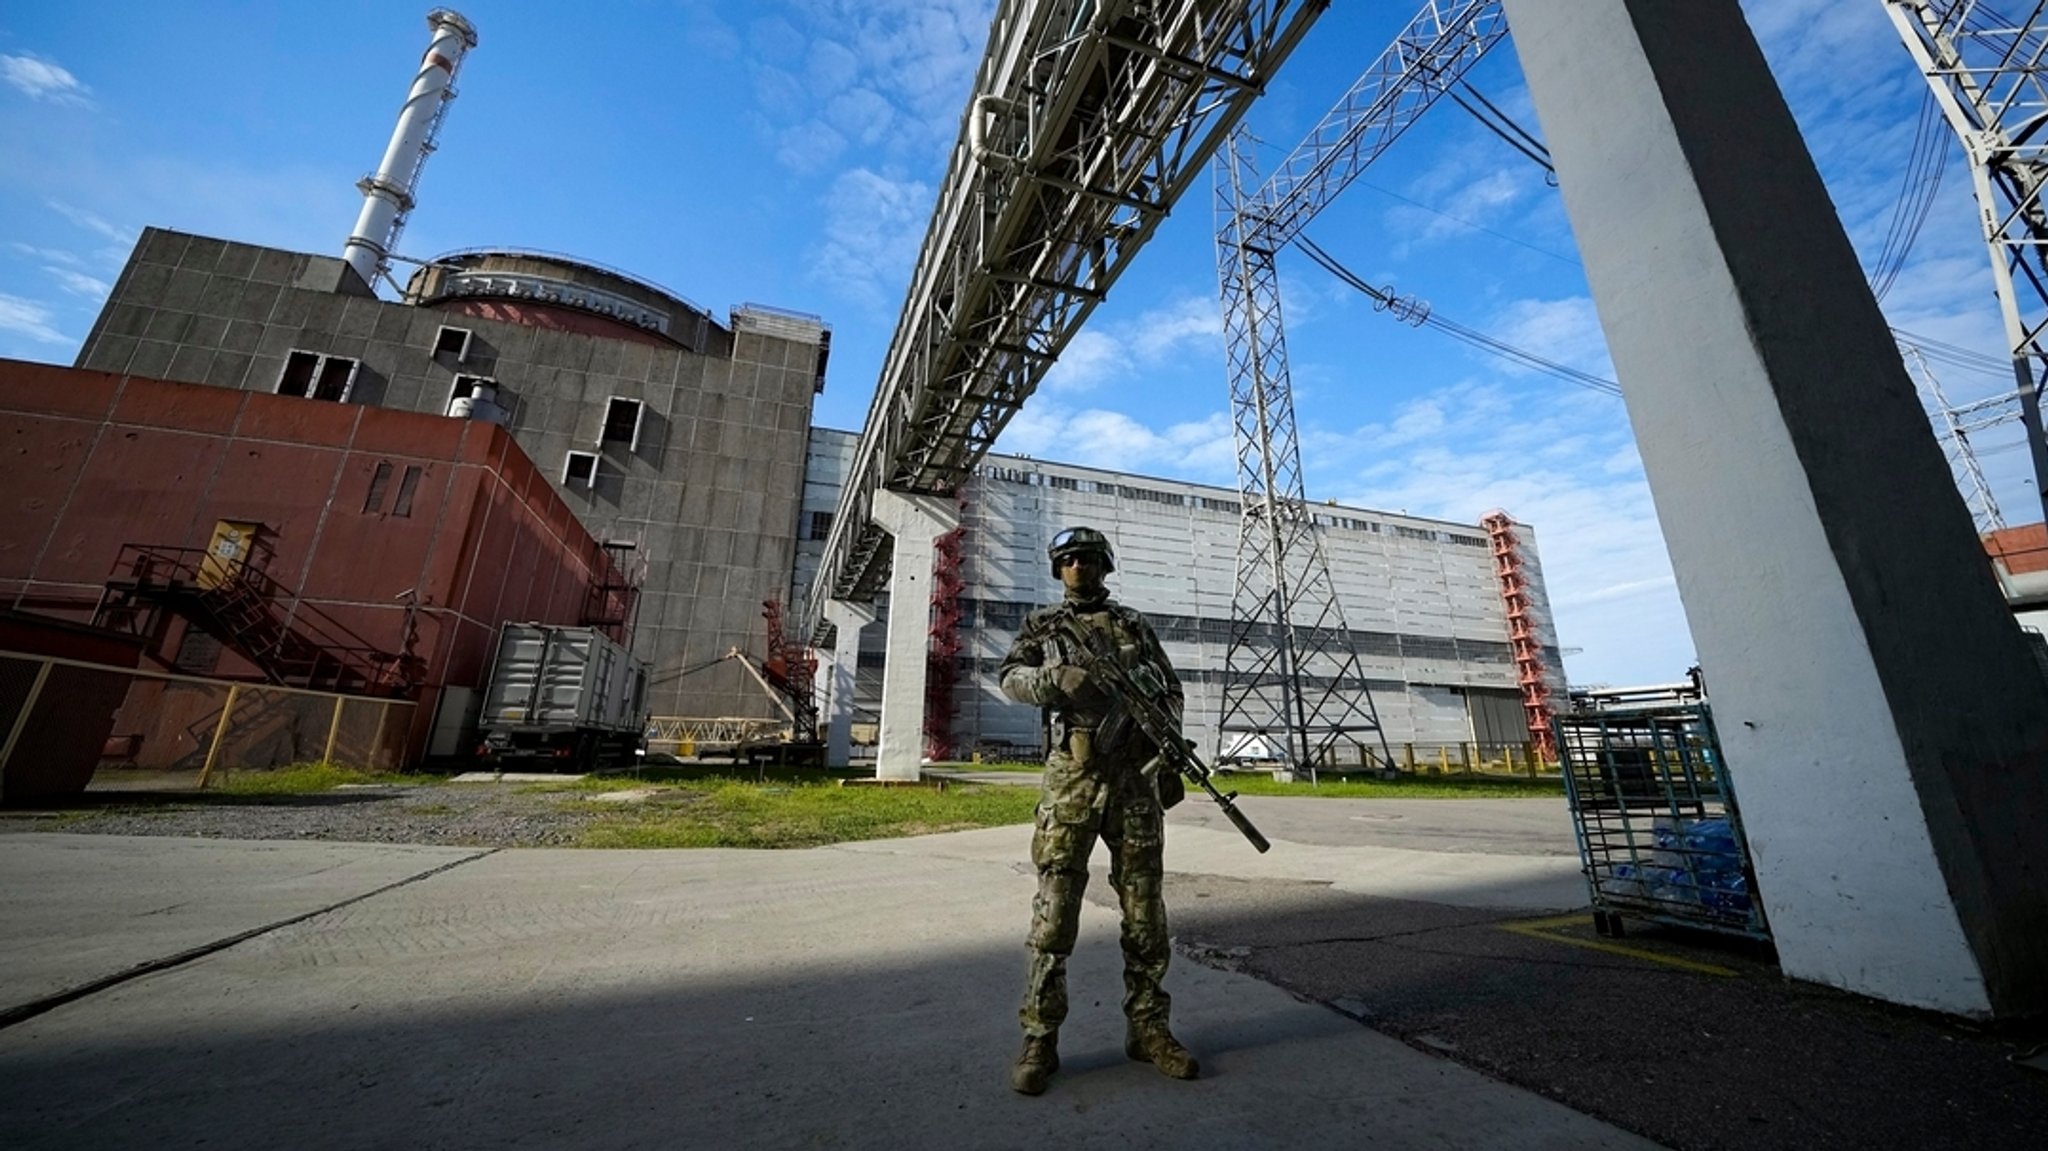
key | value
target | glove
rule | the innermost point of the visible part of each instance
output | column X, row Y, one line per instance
column 1078, row 689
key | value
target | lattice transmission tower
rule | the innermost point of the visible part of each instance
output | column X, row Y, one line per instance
column 1291, row 670
column 1953, row 427
column 1987, row 73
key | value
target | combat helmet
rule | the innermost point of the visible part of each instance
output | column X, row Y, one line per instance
column 1080, row 541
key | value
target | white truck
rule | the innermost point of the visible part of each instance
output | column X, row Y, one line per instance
column 562, row 698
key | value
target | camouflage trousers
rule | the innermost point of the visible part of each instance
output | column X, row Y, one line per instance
column 1081, row 802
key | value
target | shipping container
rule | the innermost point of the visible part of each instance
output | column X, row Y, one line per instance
column 571, row 696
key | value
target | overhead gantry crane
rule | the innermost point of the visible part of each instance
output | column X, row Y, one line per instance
column 1089, row 119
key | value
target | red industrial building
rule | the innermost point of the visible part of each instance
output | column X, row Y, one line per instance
column 276, row 539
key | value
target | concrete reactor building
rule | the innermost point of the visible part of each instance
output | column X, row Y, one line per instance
column 683, row 447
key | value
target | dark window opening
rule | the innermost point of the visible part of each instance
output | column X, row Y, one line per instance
column 297, row 379
column 621, row 423
column 820, row 526
column 452, row 342
column 336, row 374
column 374, row 502
column 580, row 470
column 402, row 506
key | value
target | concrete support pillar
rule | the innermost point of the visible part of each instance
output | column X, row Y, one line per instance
column 847, row 619
column 1882, row 720
column 915, row 522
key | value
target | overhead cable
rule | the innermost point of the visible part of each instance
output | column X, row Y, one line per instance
column 1956, row 356
column 1922, row 180
column 1501, row 125
column 1418, row 314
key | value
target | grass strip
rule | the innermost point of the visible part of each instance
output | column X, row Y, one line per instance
column 725, row 812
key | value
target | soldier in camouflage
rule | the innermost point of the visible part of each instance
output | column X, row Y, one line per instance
column 1100, row 782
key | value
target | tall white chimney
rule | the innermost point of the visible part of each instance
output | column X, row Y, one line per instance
column 388, row 192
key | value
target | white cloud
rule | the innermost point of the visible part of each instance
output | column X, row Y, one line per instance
column 1105, row 353
column 889, row 73
column 29, row 318
column 873, row 227
column 1090, row 358
column 92, row 223
column 1471, row 181
column 43, row 80
column 808, row 147
column 1200, row 450
column 1566, row 331
column 79, row 284
column 830, row 66
column 1189, row 321
column 51, row 255
column 862, row 114
column 1483, row 197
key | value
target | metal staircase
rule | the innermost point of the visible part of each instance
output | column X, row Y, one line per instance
column 290, row 643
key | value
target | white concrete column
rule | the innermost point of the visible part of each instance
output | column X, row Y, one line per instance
column 1881, row 718
column 915, row 522
column 847, row 619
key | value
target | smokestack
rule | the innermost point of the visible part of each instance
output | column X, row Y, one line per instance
column 388, row 192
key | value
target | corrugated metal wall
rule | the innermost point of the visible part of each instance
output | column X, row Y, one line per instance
column 1419, row 595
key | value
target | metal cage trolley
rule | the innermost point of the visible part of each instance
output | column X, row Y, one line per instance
column 1660, row 837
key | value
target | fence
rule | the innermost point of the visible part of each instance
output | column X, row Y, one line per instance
column 1472, row 759
column 178, row 728
column 1519, row 759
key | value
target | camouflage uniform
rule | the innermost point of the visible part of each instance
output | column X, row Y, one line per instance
column 1096, row 785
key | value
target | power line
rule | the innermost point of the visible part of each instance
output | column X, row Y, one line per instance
column 1955, row 355
column 1916, row 197
column 1418, row 314
column 1500, row 124
column 1462, row 221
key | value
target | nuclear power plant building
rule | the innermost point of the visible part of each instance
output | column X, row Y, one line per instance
column 661, row 428
column 685, row 445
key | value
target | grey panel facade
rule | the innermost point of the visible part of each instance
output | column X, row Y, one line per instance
column 1420, row 596
column 709, row 490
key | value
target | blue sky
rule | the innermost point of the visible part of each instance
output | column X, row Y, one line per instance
column 786, row 152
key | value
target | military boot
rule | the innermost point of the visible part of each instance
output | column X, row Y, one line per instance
column 1040, row 1059
column 1156, row 1045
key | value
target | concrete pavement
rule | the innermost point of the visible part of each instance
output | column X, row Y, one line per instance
column 854, row 996
column 82, row 908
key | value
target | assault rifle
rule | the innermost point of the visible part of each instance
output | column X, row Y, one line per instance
column 1140, row 696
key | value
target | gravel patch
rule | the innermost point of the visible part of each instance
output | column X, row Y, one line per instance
column 449, row 815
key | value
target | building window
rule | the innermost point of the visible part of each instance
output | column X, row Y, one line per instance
column 820, row 526
column 622, row 423
column 579, row 470
column 317, row 377
column 379, row 479
column 452, row 342
column 402, row 506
